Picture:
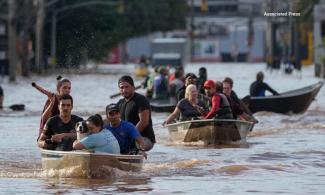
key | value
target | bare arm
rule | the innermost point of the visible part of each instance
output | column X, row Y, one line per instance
column 144, row 120
column 140, row 142
column 172, row 116
column 59, row 137
column 41, row 141
column 48, row 111
column 42, row 90
column 78, row 146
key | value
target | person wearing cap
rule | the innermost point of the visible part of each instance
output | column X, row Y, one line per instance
column 189, row 107
column 135, row 108
column 59, row 131
column 259, row 87
column 125, row 132
column 99, row 139
column 220, row 107
column 190, row 78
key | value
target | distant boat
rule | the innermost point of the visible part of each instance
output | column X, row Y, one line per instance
column 295, row 101
column 162, row 105
column 210, row 131
column 91, row 163
column 141, row 70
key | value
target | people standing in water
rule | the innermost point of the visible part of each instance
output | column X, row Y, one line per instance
column 59, row 131
column 219, row 107
column 189, row 107
column 259, row 87
column 127, row 135
column 135, row 108
column 51, row 109
column 99, row 139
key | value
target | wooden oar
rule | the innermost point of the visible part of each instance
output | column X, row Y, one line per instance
column 118, row 94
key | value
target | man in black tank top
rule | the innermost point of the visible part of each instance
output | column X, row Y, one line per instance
column 135, row 108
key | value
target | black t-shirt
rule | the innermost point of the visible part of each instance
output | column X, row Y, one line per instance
column 130, row 112
column 56, row 126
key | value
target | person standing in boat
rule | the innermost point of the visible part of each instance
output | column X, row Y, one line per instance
column 259, row 87
column 1, row 97
column 99, row 139
column 189, row 107
column 175, row 86
column 51, row 108
column 203, row 76
column 59, row 131
column 125, row 132
column 219, row 107
column 135, row 108
column 160, row 85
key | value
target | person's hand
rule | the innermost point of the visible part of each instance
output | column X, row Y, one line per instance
column 57, row 137
column 164, row 123
column 141, row 152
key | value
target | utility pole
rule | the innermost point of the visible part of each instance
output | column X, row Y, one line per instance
column 39, row 35
column 12, row 40
column 191, row 30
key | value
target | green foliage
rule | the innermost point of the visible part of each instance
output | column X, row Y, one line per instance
column 100, row 28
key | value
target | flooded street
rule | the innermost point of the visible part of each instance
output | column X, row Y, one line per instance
column 283, row 154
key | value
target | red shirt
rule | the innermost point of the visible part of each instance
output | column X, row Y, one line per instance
column 215, row 106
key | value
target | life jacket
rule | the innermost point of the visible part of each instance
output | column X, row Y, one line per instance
column 224, row 112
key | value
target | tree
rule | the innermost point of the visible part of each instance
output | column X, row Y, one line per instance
column 97, row 29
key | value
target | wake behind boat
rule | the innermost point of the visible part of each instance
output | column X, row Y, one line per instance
column 90, row 163
column 210, row 131
column 295, row 101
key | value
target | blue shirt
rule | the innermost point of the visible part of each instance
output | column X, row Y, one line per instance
column 104, row 141
column 125, row 134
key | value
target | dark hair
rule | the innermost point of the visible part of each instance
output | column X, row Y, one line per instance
column 97, row 120
column 127, row 79
column 218, row 87
column 60, row 81
column 260, row 76
column 178, row 74
column 202, row 72
column 66, row 97
column 228, row 80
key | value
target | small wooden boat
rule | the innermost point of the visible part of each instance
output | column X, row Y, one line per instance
column 295, row 101
column 162, row 106
column 90, row 163
column 210, row 131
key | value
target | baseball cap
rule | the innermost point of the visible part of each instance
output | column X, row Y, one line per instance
column 209, row 84
column 112, row 107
